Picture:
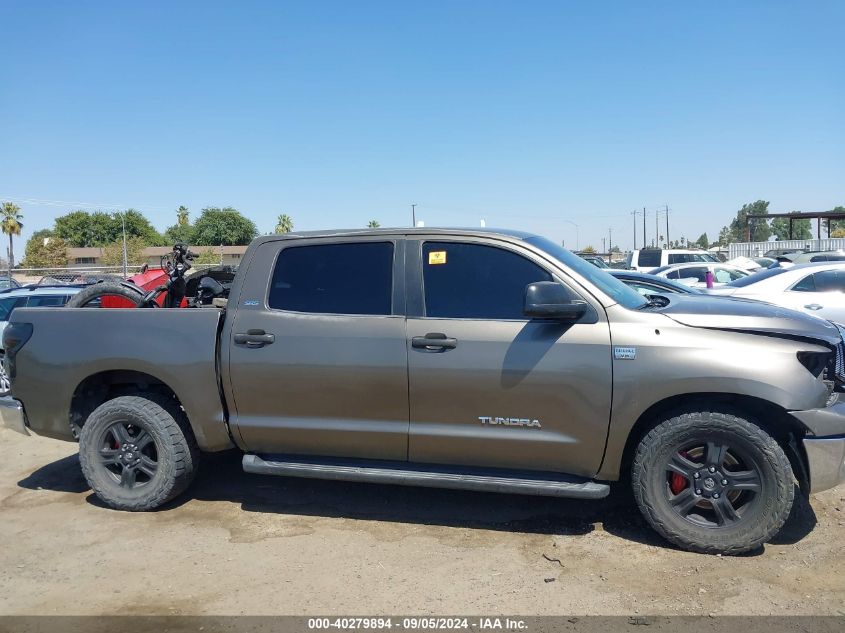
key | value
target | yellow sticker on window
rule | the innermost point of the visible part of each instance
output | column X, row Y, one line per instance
column 437, row 257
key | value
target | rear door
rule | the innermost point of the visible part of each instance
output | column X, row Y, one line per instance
column 317, row 359
column 489, row 387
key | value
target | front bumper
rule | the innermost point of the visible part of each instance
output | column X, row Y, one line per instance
column 12, row 415
column 825, row 448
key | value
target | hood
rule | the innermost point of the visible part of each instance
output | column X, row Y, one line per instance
column 752, row 317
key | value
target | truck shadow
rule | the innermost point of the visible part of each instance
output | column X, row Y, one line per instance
column 222, row 479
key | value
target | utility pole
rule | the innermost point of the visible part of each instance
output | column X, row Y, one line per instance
column 609, row 240
column 634, row 213
column 657, row 212
column 667, row 224
column 125, row 257
column 603, row 245
column 644, row 239
column 413, row 215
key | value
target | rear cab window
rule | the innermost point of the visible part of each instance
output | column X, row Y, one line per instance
column 649, row 258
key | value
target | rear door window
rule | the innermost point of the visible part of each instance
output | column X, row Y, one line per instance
column 353, row 278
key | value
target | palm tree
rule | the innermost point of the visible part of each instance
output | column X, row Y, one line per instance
column 284, row 224
column 182, row 215
column 10, row 217
column 373, row 224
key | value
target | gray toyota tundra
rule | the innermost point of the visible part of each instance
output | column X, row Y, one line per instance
column 485, row 360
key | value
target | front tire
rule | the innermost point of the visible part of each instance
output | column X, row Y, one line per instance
column 138, row 452
column 91, row 296
column 712, row 482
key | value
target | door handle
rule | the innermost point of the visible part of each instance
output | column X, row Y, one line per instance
column 254, row 338
column 434, row 341
column 813, row 306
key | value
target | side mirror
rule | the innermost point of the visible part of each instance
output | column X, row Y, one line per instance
column 551, row 300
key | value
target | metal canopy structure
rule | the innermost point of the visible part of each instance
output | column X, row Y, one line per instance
column 800, row 215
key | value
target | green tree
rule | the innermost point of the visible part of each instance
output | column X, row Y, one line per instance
column 10, row 216
column 81, row 228
column 834, row 224
column 760, row 231
column 373, row 224
column 702, row 241
column 182, row 231
column 801, row 229
column 45, row 250
column 207, row 256
column 588, row 249
column 113, row 253
column 217, row 226
column 137, row 225
column 179, row 233
column 284, row 224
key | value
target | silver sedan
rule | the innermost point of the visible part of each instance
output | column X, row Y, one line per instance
column 817, row 289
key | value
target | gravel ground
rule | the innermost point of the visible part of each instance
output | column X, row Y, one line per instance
column 247, row 544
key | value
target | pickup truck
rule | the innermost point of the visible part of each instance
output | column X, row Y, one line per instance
column 484, row 360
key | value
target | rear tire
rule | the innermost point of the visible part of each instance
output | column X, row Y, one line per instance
column 138, row 452
column 100, row 290
column 713, row 482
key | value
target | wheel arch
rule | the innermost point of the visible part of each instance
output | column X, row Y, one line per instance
column 98, row 388
column 774, row 419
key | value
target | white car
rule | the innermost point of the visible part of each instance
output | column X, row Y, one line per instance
column 695, row 275
column 817, row 289
column 29, row 297
column 647, row 259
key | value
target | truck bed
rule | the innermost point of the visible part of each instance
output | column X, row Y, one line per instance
column 72, row 350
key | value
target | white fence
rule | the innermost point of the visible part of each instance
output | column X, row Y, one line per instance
column 758, row 249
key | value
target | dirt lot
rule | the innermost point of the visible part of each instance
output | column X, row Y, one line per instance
column 248, row 544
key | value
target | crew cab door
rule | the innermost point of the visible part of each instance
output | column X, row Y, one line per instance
column 316, row 350
column 488, row 386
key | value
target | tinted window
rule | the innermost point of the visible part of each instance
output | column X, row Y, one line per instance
column 679, row 258
column 472, row 281
column 8, row 304
column 825, row 281
column 47, row 300
column 649, row 258
column 334, row 279
column 808, row 284
column 693, row 272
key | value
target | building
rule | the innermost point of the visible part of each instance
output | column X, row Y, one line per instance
column 91, row 256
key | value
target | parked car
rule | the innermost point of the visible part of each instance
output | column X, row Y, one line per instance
column 812, row 257
column 594, row 259
column 695, row 275
column 775, row 253
column 817, row 289
column 495, row 361
column 33, row 297
column 8, row 282
column 648, row 284
column 647, row 259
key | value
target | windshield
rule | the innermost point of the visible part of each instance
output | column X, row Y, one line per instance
column 604, row 281
column 753, row 279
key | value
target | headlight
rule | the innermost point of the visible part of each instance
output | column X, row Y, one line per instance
column 815, row 362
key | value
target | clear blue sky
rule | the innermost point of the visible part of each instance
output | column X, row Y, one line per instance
column 526, row 114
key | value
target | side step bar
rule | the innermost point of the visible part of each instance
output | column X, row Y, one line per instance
column 429, row 475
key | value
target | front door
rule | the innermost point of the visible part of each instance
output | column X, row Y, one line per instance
column 489, row 387
column 317, row 365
